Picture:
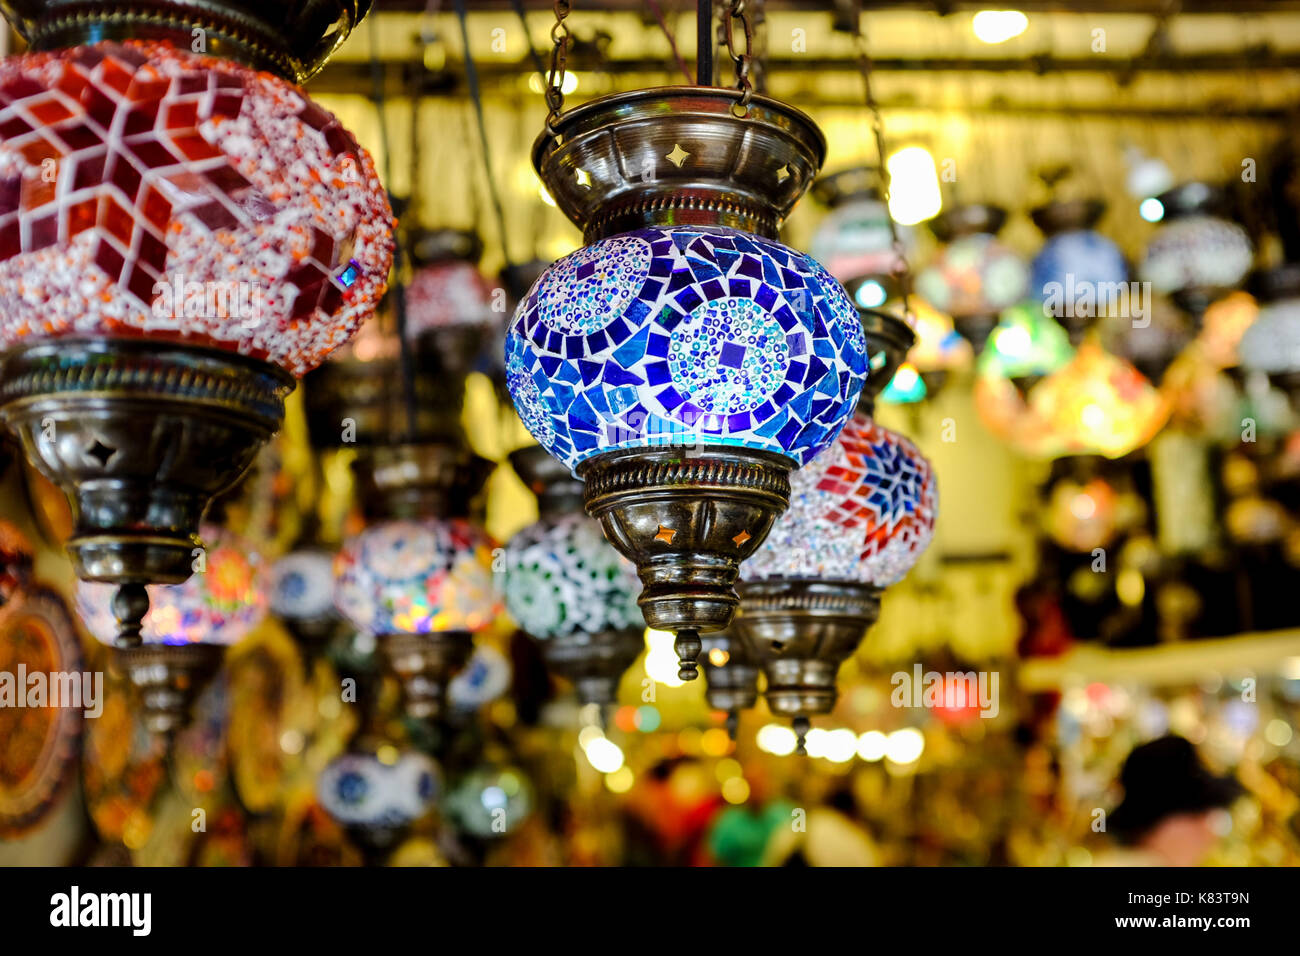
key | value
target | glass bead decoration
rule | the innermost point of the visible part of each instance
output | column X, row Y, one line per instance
column 563, row 578
column 486, row 797
column 152, row 192
column 358, row 789
column 483, row 679
column 219, row 604
column 685, row 335
column 417, row 577
column 863, row 511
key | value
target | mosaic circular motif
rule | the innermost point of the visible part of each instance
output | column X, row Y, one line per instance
column 587, row 290
column 358, row 789
column 149, row 191
column 483, row 679
column 417, row 577
column 686, row 335
column 864, row 511
column 220, row 602
column 563, row 578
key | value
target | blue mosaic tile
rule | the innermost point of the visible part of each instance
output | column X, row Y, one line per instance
column 685, row 335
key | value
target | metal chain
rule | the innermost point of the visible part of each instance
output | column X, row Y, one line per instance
column 561, row 37
column 736, row 10
column 901, row 270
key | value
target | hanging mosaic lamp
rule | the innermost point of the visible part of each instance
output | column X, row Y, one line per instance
column 1152, row 341
column 490, row 802
column 1198, row 254
column 1025, row 346
column 1077, row 268
column 376, row 792
column 856, row 239
column 180, row 236
column 186, row 629
column 975, row 277
column 1271, row 345
column 301, row 594
column 860, row 516
column 449, row 313
column 940, row 351
column 1004, row 409
column 419, row 578
column 568, row 588
column 684, row 362
column 1099, row 404
column 730, row 674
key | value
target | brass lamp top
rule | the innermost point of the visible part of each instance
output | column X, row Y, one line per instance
column 291, row 38
column 682, row 155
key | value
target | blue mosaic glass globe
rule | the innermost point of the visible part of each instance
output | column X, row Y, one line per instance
column 1071, row 262
column 689, row 335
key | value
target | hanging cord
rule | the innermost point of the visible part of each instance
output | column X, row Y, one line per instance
column 561, row 38
column 538, row 63
column 736, row 10
column 672, row 40
column 900, row 267
column 476, row 95
column 406, row 362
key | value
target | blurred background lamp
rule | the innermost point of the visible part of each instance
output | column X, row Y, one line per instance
column 913, row 186
column 999, row 26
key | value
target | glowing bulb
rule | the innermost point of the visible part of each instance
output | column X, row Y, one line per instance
column 1083, row 507
column 905, row 746
column 537, row 82
column 1093, row 415
column 913, row 186
column 718, row 657
column 873, row 745
column 1013, row 341
column 620, row 781
column 999, row 26
column 660, row 659
column 871, row 294
column 604, row 755
column 776, row 739
column 1152, row 209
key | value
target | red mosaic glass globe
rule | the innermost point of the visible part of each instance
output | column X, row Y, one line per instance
column 148, row 191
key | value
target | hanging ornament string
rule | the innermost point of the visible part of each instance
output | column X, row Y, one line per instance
column 398, row 287
column 736, row 10
column 900, row 268
column 476, row 96
column 672, row 40
column 560, row 38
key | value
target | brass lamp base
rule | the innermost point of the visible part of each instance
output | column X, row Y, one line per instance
column 168, row 679
column 424, row 664
column 594, row 662
column 801, row 631
column 140, row 435
column 687, row 518
column 732, row 675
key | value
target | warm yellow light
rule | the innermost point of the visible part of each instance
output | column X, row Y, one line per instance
column 776, row 739
column 999, row 26
column 546, row 195
column 735, row 790
column 718, row 657
column 872, row 746
column 604, row 755
column 715, row 742
column 1131, row 587
column 620, row 781
column 660, row 659
column 537, row 82
column 905, row 746
column 906, row 376
column 913, row 186
column 727, row 768
column 1278, row 732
